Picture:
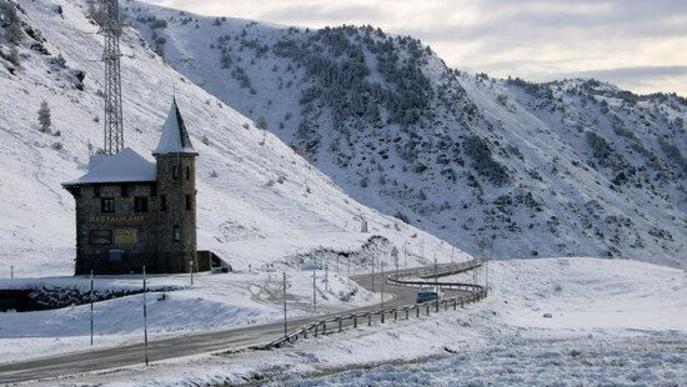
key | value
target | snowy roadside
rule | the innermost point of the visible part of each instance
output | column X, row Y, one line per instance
column 506, row 332
column 214, row 302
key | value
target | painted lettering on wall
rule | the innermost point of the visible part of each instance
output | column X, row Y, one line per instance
column 116, row 219
column 125, row 236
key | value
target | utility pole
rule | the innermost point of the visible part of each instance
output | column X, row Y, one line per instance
column 394, row 253
column 422, row 251
column 381, row 303
column 91, row 308
column 452, row 250
column 373, row 273
column 486, row 280
column 337, row 264
column 12, row 272
column 326, row 277
column 286, row 333
column 436, row 272
column 314, row 292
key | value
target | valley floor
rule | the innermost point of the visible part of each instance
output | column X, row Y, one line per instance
column 612, row 322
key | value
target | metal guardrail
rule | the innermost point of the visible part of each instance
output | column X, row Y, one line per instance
column 338, row 322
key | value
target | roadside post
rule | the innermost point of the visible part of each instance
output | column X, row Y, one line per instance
column 12, row 272
column 190, row 266
column 314, row 292
column 381, row 298
column 91, row 308
column 145, row 316
column 285, row 320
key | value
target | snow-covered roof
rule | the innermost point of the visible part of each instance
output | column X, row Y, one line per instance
column 175, row 138
column 125, row 166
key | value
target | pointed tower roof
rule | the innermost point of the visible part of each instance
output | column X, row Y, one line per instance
column 175, row 138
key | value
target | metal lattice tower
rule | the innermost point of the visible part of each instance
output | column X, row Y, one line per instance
column 114, row 125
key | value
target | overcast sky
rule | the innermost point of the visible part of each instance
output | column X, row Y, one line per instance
column 640, row 45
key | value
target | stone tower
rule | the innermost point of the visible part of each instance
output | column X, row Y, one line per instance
column 176, row 186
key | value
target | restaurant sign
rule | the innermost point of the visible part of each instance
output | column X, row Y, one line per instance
column 116, row 219
column 125, row 236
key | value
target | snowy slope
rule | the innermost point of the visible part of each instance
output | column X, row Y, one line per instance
column 565, row 168
column 258, row 200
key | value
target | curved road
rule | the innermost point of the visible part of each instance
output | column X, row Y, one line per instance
column 229, row 339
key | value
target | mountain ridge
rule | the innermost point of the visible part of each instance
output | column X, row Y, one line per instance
column 574, row 167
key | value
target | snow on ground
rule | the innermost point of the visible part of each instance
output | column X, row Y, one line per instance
column 259, row 202
column 215, row 301
column 504, row 340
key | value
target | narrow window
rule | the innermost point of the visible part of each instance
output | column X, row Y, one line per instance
column 141, row 204
column 176, row 233
column 188, row 173
column 189, row 203
column 163, row 203
column 96, row 191
column 100, row 237
column 175, row 172
column 125, row 190
column 153, row 190
column 107, row 205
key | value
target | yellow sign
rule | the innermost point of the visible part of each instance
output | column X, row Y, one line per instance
column 125, row 236
column 116, row 219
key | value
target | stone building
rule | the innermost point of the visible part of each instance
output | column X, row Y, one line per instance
column 131, row 212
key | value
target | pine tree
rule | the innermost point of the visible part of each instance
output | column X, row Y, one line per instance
column 13, row 31
column 44, row 117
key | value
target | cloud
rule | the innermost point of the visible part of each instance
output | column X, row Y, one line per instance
column 637, row 43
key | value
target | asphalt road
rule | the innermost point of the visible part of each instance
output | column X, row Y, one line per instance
column 100, row 359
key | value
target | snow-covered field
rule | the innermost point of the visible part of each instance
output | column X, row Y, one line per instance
column 613, row 322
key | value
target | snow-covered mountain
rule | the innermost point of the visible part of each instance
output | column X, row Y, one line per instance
column 259, row 202
column 576, row 167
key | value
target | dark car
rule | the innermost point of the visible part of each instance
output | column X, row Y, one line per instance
column 427, row 294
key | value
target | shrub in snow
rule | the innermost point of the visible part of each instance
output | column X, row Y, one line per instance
column 57, row 146
column 44, row 117
column 205, row 140
column 673, row 154
column 477, row 149
column 402, row 217
column 262, row 123
column 213, row 173
column 60, row 61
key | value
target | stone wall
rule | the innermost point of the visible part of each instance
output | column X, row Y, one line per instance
column 163, row 238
